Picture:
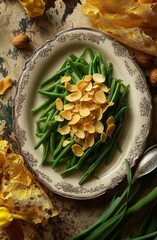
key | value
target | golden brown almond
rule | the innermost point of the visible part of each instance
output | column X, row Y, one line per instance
column 143, row 58
column 21, row 41
column 153, row 77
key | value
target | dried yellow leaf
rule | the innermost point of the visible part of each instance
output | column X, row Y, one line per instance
column 110, row 129
column 64, row 130
column 59, row 104
column 73, row 97
column 77, row 150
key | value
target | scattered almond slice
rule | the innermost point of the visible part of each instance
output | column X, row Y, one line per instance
column 77, row 150
column 82, row 85
column 5, row 83
column 68, row 106
column 89, row 141
column 103, row 137
column 97, row 77
column 100, row 97
column 98, row 113
column 99, row 127
column 66, row 114
column 70, row 87
column 59, row 104
column 74, row 96
column 89, row 87
column 89, row 128
column 110, row 129
column 110, row 121
column 65, row 143
column 80, row 134
column 65, row 79
column 58, row 118
column 64, row 130
column 88, row 78
column 75, row 119
column 84, row 112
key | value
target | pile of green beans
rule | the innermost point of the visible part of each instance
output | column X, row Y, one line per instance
column 114, row 221
column 54, row 154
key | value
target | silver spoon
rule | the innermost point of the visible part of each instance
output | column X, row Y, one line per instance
column 148, row 162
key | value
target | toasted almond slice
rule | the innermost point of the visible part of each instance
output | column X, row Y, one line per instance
column 90, row 105
column 65, row 143
column 65, row 79
column 73, row 97
column 97, row 77
column 103, row 137
column 68, row 106
column 5, row 83
column 106, row 105
column 58, row 118
column 104, row 88
column 82, row 85
column 64, row 130
column 66, row 114
column 89, row 87
column 91, row 92
column 89, row 128
column 75, row 119
column 86, row 98
column 84, row 112
column 99, row 127
column 59, row 104
column 89, row 140
column 110, row 120
column 70, row 87
column 98, row 113
column 80, row 134
column 77, row 150
column 110, row 129
column 100, row 97
column 88, row 78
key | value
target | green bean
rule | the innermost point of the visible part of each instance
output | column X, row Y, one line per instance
column 42, row 139
column 52, row 86
column 59, row 147
column 45, row 103
column 52, row 143
column 48, row 109
column 52, row 95
column 55, row 75
column 63, row 153
column 143, row 202
column 45, row 151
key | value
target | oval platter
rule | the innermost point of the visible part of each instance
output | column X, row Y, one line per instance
column 43, row 63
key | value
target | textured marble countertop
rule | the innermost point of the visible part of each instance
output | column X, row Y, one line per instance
column 74, row 215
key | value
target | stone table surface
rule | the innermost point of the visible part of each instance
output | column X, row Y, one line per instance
column 75, row 215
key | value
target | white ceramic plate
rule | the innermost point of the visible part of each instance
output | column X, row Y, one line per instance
column 44, row 62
